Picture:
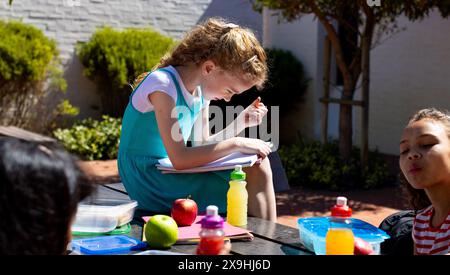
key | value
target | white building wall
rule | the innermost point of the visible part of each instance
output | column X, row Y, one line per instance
column 302, row 39
column 409, row 71
column 72, row 21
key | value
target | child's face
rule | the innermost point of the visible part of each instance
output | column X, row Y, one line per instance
column 220, row 84
column 425, row 153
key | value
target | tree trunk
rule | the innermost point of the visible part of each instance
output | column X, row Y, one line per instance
column 366, row 43
column 365, row 100
column 326, row 89
column 346, row 110
column 345, row 124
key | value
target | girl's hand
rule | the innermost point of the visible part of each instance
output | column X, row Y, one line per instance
column 253, row 114
column 253, row 146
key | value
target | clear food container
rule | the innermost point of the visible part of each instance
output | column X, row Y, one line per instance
column 103, row 215
column 313, row 230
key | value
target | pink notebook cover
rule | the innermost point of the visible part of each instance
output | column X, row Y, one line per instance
column 186, row 233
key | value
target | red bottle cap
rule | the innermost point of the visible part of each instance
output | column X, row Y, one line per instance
column 341, row 208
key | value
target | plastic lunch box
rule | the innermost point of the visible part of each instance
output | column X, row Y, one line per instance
column 103, row 215
column 119, row 244
column 312, row 232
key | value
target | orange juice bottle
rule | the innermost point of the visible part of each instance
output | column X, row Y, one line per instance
column 237, row 198
column 340, row 239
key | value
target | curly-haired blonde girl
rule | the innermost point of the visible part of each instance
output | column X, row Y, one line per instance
column 214, row 61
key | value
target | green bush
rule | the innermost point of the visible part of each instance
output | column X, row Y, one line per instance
column 92, row 139
column 31, row 79
column 317, row 165
column 113, row 59
column 25, row 51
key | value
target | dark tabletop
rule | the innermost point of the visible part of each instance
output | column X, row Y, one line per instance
column 269, row 238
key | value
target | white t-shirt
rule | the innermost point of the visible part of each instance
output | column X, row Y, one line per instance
column 161, row 81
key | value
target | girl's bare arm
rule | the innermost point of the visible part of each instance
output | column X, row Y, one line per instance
column 183, row 157
column 202, row 134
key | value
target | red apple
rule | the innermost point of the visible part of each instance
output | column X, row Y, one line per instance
column 184, row 211
column 362, row 247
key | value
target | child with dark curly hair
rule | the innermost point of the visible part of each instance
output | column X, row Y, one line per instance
column 425, row 164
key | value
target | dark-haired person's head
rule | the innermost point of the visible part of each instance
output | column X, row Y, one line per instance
column 40, row 187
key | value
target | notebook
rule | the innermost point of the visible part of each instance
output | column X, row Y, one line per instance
column 225, row 163
column 189, row 234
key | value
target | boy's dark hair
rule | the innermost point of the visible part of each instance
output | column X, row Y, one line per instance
column 40, row 187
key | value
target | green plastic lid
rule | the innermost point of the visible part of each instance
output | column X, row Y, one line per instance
column 237, row 173
column 124, row 229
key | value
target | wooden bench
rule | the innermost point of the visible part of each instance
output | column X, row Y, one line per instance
column 12, row 131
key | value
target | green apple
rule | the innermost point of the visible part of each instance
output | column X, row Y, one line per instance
column 161, row 231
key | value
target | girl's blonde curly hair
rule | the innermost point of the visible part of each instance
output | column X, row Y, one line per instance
column 231, row 47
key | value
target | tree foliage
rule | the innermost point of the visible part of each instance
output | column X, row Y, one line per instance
column 388, row 10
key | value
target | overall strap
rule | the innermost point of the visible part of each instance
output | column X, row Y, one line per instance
column 140, row 83
column 177, row 86
column 180, row 94
column 164, row 70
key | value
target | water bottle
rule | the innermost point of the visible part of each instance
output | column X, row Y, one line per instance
column 237, row 198
column 340, row 239
column 211, row 233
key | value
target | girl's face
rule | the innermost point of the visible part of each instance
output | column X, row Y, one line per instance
column 425, row 153
column 218, row 84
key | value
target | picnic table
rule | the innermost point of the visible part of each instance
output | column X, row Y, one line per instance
column 269, row 238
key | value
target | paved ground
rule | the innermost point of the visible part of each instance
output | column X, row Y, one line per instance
column 368, row 205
